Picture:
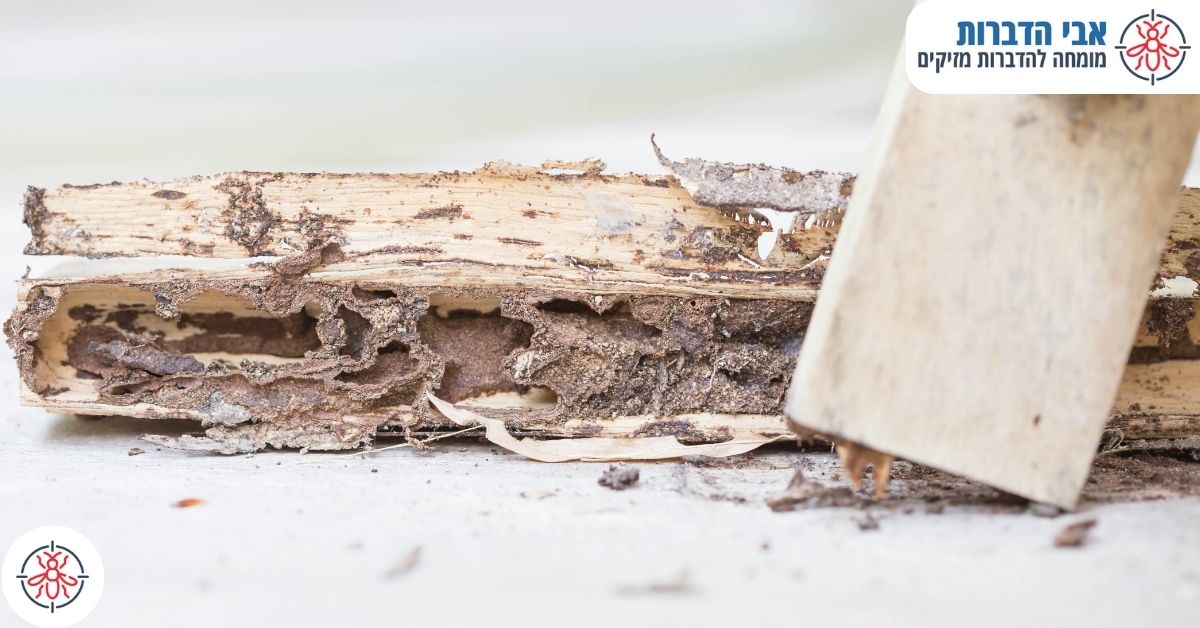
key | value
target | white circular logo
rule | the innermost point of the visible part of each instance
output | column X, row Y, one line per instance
column 52, row 576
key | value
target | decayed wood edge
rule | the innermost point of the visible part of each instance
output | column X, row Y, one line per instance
column 1157, row 401
column 1130, row 426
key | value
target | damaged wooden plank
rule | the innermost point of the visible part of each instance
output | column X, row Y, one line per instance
column 352, row 358
column 628, row 309
column 619, row 233
column 490, row 227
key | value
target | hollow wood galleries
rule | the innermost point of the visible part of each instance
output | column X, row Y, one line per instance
column 290, row 351
column 552, row 364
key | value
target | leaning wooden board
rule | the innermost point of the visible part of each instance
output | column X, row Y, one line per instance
column 987, row 284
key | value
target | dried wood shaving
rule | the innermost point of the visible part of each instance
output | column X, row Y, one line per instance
column 1075, row 535
column 405, row 566
column 680, row 584
column 596, row 449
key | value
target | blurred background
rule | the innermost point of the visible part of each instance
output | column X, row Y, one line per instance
column 125, row 89
column 122, row 89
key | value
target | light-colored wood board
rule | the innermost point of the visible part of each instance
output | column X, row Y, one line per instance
column 628, row 233
column 988, row 280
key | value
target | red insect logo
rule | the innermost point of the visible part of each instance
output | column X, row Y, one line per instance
column 1153, row 52
column 52, row 582
column 52, row 576
column 1157, row 51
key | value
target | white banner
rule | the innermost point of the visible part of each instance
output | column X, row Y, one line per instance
column 1053, row 47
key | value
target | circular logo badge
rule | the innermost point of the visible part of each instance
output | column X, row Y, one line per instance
column 1153, row 47
column 52, row 576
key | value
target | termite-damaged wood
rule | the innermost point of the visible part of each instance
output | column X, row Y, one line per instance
column 627, row 234
column 331, row 365
column 570, row 305
column 353, row 358
column 617, row 233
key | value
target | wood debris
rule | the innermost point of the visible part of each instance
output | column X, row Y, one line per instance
column 405, row 566
column 1075, row 534
column 680, row 584
column 597, row 449
column 868, row 523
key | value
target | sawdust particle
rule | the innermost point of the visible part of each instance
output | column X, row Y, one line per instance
column 681, row 584
column 868, row 523
column 405, row 566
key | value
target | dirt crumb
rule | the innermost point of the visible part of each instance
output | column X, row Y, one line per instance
column 619, row 477
column 680, row 584
column 868, row 523
column 1045, row 510
column 800, row 492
